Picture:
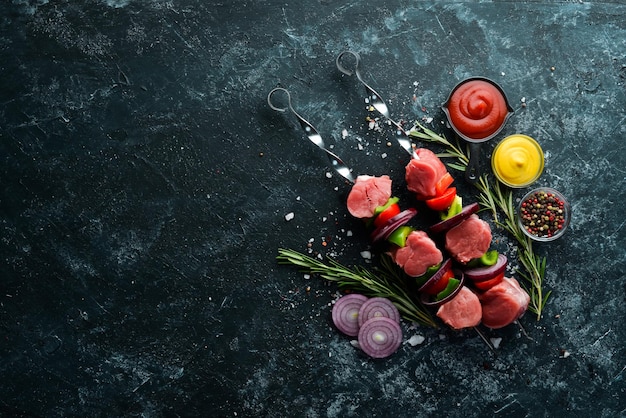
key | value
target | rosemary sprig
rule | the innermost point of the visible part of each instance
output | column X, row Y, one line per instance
column 380, row 282
column 499, row 201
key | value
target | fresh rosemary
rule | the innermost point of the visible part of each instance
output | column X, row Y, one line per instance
column 498, row 201
column 384, row 281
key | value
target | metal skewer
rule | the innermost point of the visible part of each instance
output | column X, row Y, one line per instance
column 376, row 101
column 523, row 330
column 312, row 133
column 485, row 340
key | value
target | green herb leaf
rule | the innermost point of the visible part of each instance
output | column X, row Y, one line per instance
column 385, row 281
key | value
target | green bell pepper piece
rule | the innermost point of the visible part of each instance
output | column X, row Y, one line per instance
column 488, row 259
column 452, row 284
column 400, row 235
column 455, row 208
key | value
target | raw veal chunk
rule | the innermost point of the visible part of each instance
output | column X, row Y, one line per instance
column 469, row 239
column 368, row 193
column 503, row 303
column 463, row 311
column 423, row 173
column 419, row 253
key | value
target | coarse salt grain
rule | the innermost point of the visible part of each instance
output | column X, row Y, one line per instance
column 416, row 340
column 366, row 255
column 289, row 216
column 495, row 342
column 344, row 133
column 329, row 174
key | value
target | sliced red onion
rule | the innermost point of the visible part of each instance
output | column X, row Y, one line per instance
column 346, row 313
column 378, row 307
column 480, row 274
column 429, row 300
column 383, row 231
column 380, row 337
column 448, row 224
column 445, row 266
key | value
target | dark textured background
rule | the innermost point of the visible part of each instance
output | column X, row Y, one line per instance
column 144, row 184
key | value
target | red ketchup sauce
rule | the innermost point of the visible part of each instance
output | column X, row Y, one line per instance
column 477, row 109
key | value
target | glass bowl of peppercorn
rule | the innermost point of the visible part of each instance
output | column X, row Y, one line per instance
column 544, row 214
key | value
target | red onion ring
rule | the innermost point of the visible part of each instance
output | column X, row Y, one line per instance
column 448, row 224
column 345, row 313
column 428, row 300
column 445, row 266
column 383, row 231
column 378, row 307
column 380, row 337
column 480, row 274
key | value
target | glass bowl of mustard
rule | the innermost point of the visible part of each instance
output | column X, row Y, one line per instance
column 517, row 161
column 544, row 214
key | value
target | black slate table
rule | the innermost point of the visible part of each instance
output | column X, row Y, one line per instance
column 145, row 183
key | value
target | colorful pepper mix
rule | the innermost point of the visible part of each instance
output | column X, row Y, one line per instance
column 543, row 214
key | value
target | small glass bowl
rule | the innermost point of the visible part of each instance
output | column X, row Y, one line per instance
column 557, row 208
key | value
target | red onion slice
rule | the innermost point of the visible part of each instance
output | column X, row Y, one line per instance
column 428, row 300
column 480, row 274
column 445, row 266
column 448, row 224
column 380, row 337
column 383, row 231
column 378, row 307
column 346, row 313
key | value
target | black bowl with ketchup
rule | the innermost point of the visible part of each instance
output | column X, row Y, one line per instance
column 477, row 110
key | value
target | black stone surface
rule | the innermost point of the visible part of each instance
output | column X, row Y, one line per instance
column 145, row 183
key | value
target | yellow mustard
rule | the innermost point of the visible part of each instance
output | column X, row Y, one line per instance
column 517, row 160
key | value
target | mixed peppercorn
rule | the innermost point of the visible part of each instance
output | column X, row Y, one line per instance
column 543, row 214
